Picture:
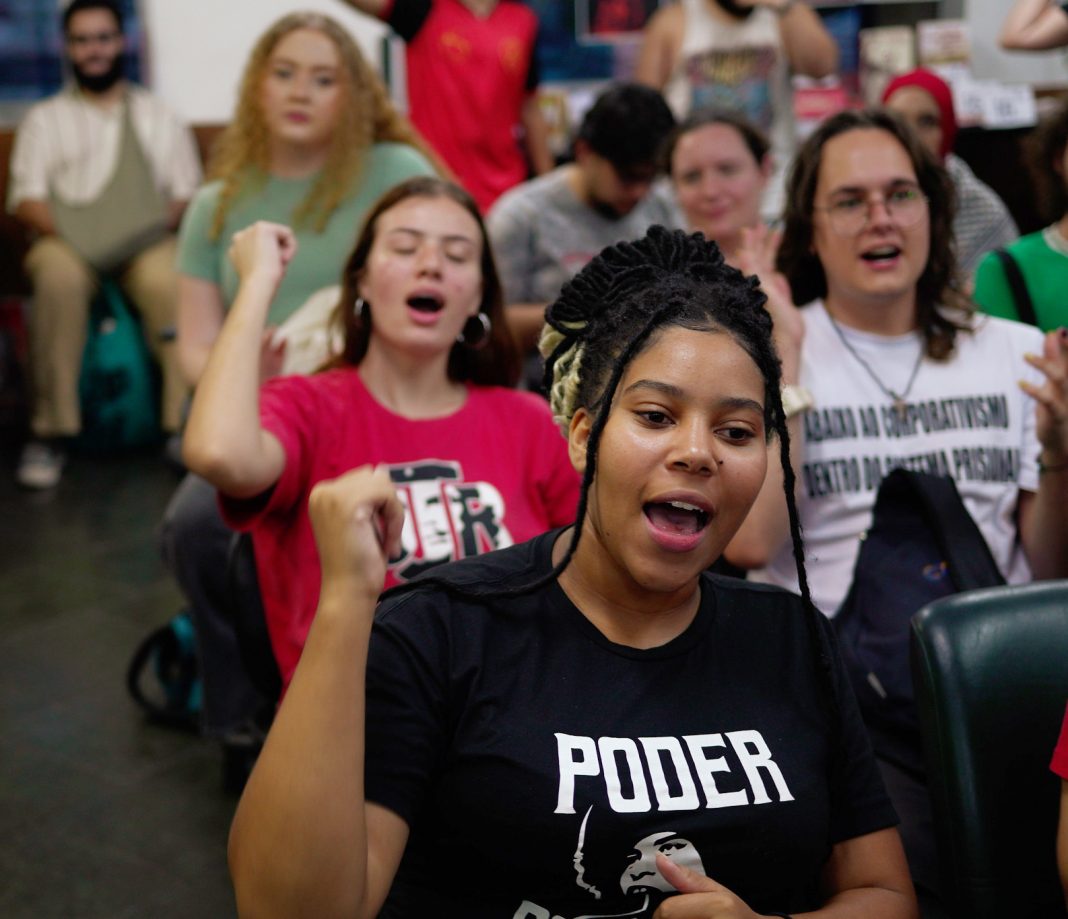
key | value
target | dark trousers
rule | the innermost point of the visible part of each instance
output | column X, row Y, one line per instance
column 195, row 543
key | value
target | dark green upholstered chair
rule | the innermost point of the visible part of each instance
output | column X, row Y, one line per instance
column 990, row 669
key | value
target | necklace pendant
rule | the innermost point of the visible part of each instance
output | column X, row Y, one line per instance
column 901, row 407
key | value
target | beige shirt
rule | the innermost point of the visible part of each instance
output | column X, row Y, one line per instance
column 70, row 147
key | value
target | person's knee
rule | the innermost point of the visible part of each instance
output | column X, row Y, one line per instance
column 60, row 278
column 193, row 533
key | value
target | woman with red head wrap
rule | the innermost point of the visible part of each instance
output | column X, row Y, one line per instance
column 982, row 222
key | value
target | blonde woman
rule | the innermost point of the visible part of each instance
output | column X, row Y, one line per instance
column 314, row 142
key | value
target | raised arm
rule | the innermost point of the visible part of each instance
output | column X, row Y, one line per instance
column 767, row 526
column 536, row 136
column 1034, row 25
column 376, row 8
column 810, row 49
column 303, row 841
column 660, row 45
column 1043, row 522
column 224, row 441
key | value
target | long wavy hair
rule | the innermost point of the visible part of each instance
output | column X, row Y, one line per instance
column 1045, row 148
column 496, row 361
column 241, row 158
column 939, row 285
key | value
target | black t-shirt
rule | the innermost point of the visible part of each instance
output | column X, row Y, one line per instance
column 541, row 767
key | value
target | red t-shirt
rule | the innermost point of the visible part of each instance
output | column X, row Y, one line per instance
column 467, row 80
column 1059, row 763
column 493, row 473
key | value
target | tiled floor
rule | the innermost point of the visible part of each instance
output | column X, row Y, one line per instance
column 101, row 814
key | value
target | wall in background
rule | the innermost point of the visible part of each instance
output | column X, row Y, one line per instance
column 195, row 49
column 990, row 62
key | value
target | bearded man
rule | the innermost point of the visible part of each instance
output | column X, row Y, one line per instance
column 100, row 174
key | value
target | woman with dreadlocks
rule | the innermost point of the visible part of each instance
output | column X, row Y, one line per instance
column 587, row 724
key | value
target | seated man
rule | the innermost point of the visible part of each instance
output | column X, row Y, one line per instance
column 545, row 230
column 100, row 173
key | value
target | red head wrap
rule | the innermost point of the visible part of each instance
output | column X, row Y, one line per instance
column 938, row 89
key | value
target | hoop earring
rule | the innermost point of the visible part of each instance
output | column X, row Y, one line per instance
column 476, row 332
column 358, row 307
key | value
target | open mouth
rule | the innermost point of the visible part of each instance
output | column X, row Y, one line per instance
column 676, row 517
column 426, row 304
column 881, row 254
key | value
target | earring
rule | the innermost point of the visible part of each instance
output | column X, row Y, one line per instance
column 358, row 307
column 476, row 331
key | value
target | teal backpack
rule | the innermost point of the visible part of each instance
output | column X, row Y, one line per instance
column 118, row 386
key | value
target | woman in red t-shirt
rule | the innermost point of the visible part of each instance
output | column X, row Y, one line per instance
column 420, row 388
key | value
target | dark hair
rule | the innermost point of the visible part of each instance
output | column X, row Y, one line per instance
column 626, row 125
column 495, row 362
column 1045, row 148
column 78, row 6
column 608, row 314
column 938, row 286
column 605, row 317
column 755, row 140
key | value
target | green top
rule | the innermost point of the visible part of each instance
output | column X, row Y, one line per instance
column 321, row 256
column 1045, row 271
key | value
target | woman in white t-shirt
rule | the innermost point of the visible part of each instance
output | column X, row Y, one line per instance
column 895, row 369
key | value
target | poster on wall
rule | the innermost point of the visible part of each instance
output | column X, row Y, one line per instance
column 612, row 20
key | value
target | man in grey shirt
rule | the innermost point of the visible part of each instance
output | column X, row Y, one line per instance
column 545, row 230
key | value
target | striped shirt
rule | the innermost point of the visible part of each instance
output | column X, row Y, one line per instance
column 69, row 147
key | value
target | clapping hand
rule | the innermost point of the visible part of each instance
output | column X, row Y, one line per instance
column 1051, row 397
column 756, row 255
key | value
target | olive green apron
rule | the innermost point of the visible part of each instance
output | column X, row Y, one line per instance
column 127, row 217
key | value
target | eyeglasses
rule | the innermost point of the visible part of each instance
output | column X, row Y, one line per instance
column 849, row 212
column 94, row 38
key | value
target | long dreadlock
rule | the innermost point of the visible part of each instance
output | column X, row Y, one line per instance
column 604, row 317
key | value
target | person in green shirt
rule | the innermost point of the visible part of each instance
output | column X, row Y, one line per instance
column 1042, row 257
column 313, row 144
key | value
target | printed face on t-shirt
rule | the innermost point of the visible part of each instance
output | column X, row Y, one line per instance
column 642, row 872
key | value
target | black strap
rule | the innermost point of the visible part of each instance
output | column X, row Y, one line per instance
column 139, row 664
column 1025, row 308
column 966, row 552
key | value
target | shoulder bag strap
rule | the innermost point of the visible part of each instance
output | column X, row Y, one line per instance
column 971, row 563
column 1025, row 308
